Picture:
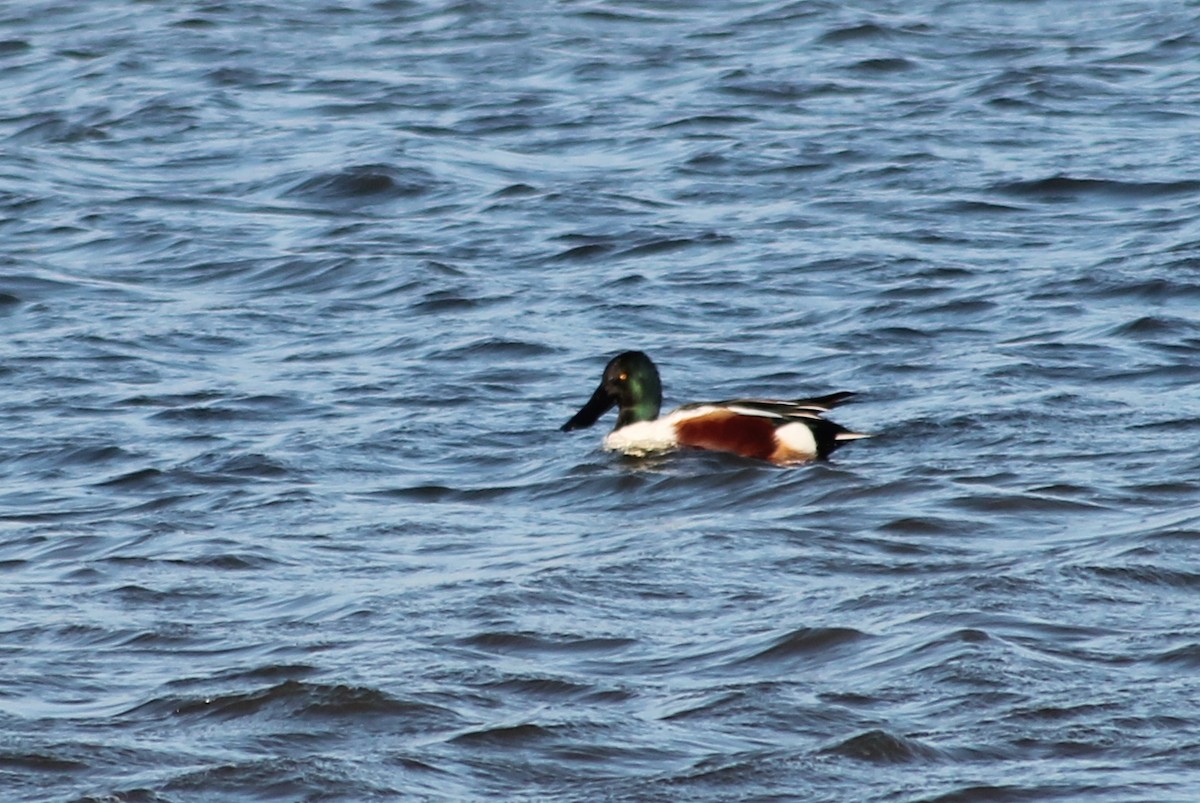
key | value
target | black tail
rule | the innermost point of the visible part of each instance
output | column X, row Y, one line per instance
column 830, row 436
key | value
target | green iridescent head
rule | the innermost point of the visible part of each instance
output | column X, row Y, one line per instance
column 630, row 383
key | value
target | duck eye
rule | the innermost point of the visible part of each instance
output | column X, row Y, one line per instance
column 622, row 376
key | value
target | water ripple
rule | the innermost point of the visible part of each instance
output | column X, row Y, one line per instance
column 294, row 300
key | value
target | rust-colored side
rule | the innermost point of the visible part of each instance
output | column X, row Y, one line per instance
column 723, row 431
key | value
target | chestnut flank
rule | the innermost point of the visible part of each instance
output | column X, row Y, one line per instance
column 723, row 431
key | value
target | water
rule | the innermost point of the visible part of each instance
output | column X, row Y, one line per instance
column 294, row 297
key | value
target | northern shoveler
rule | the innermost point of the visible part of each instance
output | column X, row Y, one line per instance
column 783, row 432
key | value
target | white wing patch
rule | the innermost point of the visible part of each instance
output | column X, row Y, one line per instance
column 797, row 438
column 736, row 408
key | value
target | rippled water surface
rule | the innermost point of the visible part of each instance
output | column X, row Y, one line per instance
column 294, row 298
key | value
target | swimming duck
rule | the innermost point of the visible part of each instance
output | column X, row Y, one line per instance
column 782, row 432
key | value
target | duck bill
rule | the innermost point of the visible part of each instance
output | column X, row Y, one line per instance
column 600, row 403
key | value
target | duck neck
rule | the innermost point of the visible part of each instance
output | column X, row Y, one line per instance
column 644, row 410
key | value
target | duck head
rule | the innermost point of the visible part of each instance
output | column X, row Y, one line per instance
column 630, row 383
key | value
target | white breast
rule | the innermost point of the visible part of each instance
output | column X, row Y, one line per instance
column 642, row 437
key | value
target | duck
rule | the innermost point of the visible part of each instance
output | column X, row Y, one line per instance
column 783, row 432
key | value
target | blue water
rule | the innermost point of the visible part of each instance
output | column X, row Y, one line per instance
column 294, row 298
